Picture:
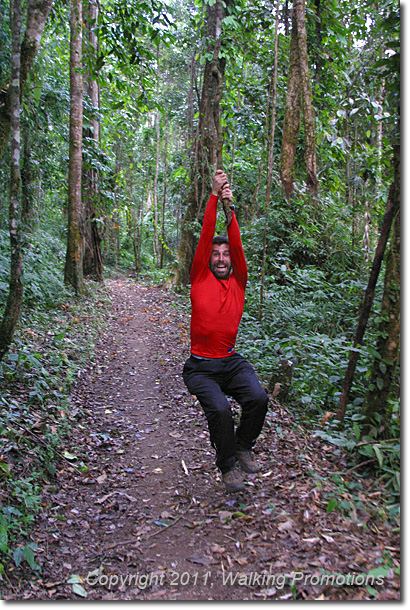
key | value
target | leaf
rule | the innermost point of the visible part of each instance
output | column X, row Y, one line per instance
column 29, row 557
column 327, row 538
column 215, row 548
column 331, row 505
column 379, row 455
column 203, row 560
column 69, row 456
column 79, row 590
column 18, row 555
column 3, row 538
column 288, row 525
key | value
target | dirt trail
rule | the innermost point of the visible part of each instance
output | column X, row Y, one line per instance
column 150, row 518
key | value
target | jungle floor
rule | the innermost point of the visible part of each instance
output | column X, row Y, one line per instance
column 150, row 519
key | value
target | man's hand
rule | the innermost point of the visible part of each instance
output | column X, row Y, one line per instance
column 226, row 193
column 220, row 182
column 220, row 188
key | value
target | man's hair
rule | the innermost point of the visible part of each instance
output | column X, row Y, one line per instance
column 218, row 240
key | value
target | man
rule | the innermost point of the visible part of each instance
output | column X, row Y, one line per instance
column 218, row 281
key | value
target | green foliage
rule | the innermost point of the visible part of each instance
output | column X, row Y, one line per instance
column 43, row 256
column 308, row 320
column 53, row 342
column 378, row 457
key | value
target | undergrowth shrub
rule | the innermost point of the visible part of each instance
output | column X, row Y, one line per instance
column 309, row 321
column 54, row 339
column 43, row 268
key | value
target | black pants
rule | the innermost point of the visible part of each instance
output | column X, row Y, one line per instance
column 209, row 381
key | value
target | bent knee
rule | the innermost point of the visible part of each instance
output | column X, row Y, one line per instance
column 261, row 399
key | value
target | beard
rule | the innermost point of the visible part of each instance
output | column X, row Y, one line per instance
column 221, row 272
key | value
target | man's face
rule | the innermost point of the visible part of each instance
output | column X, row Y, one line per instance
column 220, row 262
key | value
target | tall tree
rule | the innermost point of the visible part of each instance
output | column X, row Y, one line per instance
column 73, row 273
column 15, row 296
column 367, row 302
column 292, row 116
column 37, row 13
column 307, row 105
column 299, row 96
column 271, row 138
column 382, row 378
column 92, row 257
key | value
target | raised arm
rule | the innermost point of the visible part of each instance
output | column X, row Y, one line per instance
column 236, row 251
column 204, row 248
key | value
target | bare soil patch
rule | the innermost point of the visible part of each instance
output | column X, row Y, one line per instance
column 149, row 519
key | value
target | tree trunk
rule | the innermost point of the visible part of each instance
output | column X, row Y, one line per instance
column 299, row 92
column 27, row 205
column 292, row 117
column 37, row 13
column 15, row 296
column 308, row 111
column 209, row 145
column 382, row 379
column 164, row 194
column 155, row 192
column 271, row 138
column 368, row 300
column 255, row 192
column 73, row 274
column 92, row 256
column 241, row 97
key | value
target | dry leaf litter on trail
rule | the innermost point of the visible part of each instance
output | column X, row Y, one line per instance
column 150, row 519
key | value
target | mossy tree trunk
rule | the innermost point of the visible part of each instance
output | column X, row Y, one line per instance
column 37, row 13
column 307, row 105
column 73, row 273
column 15, row 296
column 299, row 97
column 292, row 117
column 92, row 255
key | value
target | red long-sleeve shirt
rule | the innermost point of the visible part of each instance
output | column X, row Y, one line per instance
column 217, row 305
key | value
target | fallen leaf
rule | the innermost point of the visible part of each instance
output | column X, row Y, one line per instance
column 79, row 590
column 224, row 516
column 69, row 456
column 288, row 525
column 215, row 548
column 203, row 560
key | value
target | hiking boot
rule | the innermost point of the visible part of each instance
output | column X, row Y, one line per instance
column 233, row 481
column 247, row 461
